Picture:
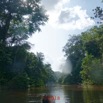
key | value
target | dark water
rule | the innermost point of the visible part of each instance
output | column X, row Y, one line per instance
column 66, row 94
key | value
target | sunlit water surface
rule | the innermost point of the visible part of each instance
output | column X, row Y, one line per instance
column 67, row 94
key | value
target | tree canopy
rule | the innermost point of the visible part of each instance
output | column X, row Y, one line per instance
column 19, row 19
column 85, row 51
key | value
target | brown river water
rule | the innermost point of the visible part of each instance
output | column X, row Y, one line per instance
column 66, row 94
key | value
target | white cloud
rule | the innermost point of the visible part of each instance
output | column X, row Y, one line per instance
column 49, row 4
column 69, row 18
column 61, row 4
column 51, row 40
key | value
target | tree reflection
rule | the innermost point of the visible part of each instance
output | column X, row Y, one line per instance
column 91, row 95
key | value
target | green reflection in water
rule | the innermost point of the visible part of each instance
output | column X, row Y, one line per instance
column 68, row 94
column 93, row 94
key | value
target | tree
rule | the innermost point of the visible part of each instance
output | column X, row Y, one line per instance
column 92, row 41
column 98, row 14
column 92, row 72
column 19, row 19
column 51, row 77
column 85, row 51
column 39, row 73
column 92, row 63
column 74, row 52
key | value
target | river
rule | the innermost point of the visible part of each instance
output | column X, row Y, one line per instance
column 66, row 94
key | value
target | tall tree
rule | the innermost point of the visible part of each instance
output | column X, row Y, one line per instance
column 19, row 19
column 74, row 52
column 92, row 62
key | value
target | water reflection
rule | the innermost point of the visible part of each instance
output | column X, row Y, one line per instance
column 59, row 92
column 92, row 95
column 67, row 94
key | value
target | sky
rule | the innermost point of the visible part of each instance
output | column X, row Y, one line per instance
column 66, row 17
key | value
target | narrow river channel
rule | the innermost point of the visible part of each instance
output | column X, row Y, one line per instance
column 61, row 94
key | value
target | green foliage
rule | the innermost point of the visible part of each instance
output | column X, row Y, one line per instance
column 85, row 73
column 20, row 69
column 85, row 52
column 92, row 72
column 20, row 81
column 98, row 13
column 19, row 19
column 69, row 80
column 50, row 75
column 74, row 52
column 34, row 69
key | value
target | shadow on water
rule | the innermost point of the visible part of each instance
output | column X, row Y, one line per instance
column 61, row 94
